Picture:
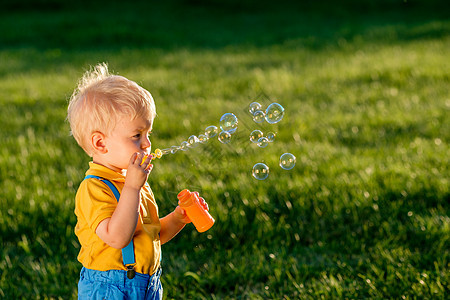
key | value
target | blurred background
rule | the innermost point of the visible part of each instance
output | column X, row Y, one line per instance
column 363, row 214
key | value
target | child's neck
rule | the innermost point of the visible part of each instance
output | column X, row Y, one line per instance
column 106, row 165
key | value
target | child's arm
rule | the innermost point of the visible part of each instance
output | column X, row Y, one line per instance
column 172, row 224
column 118, row 230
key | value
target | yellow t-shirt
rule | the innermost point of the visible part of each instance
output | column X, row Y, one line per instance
column 94, row 203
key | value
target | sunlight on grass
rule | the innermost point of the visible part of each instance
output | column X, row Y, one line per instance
column 363, row 214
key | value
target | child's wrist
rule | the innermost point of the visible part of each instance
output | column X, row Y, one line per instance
column 131, row 188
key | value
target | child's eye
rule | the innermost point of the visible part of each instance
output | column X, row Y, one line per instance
column 137, row 135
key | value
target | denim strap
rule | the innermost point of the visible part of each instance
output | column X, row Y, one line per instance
column 128, row 251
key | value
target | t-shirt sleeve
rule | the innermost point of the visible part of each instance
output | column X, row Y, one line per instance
column 96, row 202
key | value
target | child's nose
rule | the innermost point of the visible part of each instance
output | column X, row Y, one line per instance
column 146, row 143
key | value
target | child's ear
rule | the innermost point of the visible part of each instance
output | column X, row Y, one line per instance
column 98, row 142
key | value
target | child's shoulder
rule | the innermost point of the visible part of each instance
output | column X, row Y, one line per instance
column 94, row 189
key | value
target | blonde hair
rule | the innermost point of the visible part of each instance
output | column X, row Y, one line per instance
column 100, row 99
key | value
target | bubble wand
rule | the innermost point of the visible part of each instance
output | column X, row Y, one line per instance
column 157, row 154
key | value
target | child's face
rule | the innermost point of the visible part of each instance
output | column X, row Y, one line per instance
column 128, row 137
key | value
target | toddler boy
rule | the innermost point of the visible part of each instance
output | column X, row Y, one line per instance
column 118, row 226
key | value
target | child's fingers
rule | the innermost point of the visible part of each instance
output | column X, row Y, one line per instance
column 133, row 158
column 147, row 159
column 140, row 158
column 149, row 168
column 203, row 203
column 144, row 159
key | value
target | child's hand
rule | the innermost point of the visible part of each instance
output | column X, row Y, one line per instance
column 137, row 173
column 181, row 216
column 202, row 201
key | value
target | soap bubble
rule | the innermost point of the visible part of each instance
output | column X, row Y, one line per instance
column 224, row 137
column 193, row 141
column 258, row 116
column 260, row 171
column 255, row 135
column 229, row 122
column 184, row 146
column 202, row 138
column 174, row 149
column 274, row 113
column 287, row 161
column 263, row 142
column 211, row 131
column 270, row 137
column 166, row 151
column 254, row 106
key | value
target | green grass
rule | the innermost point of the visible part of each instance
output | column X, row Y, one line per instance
column 365, row 212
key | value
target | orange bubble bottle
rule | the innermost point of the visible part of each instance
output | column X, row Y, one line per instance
column 199, row 216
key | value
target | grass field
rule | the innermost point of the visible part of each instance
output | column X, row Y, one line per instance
column 365, row 211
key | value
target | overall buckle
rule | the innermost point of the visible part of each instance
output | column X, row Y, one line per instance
column 130, row 272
